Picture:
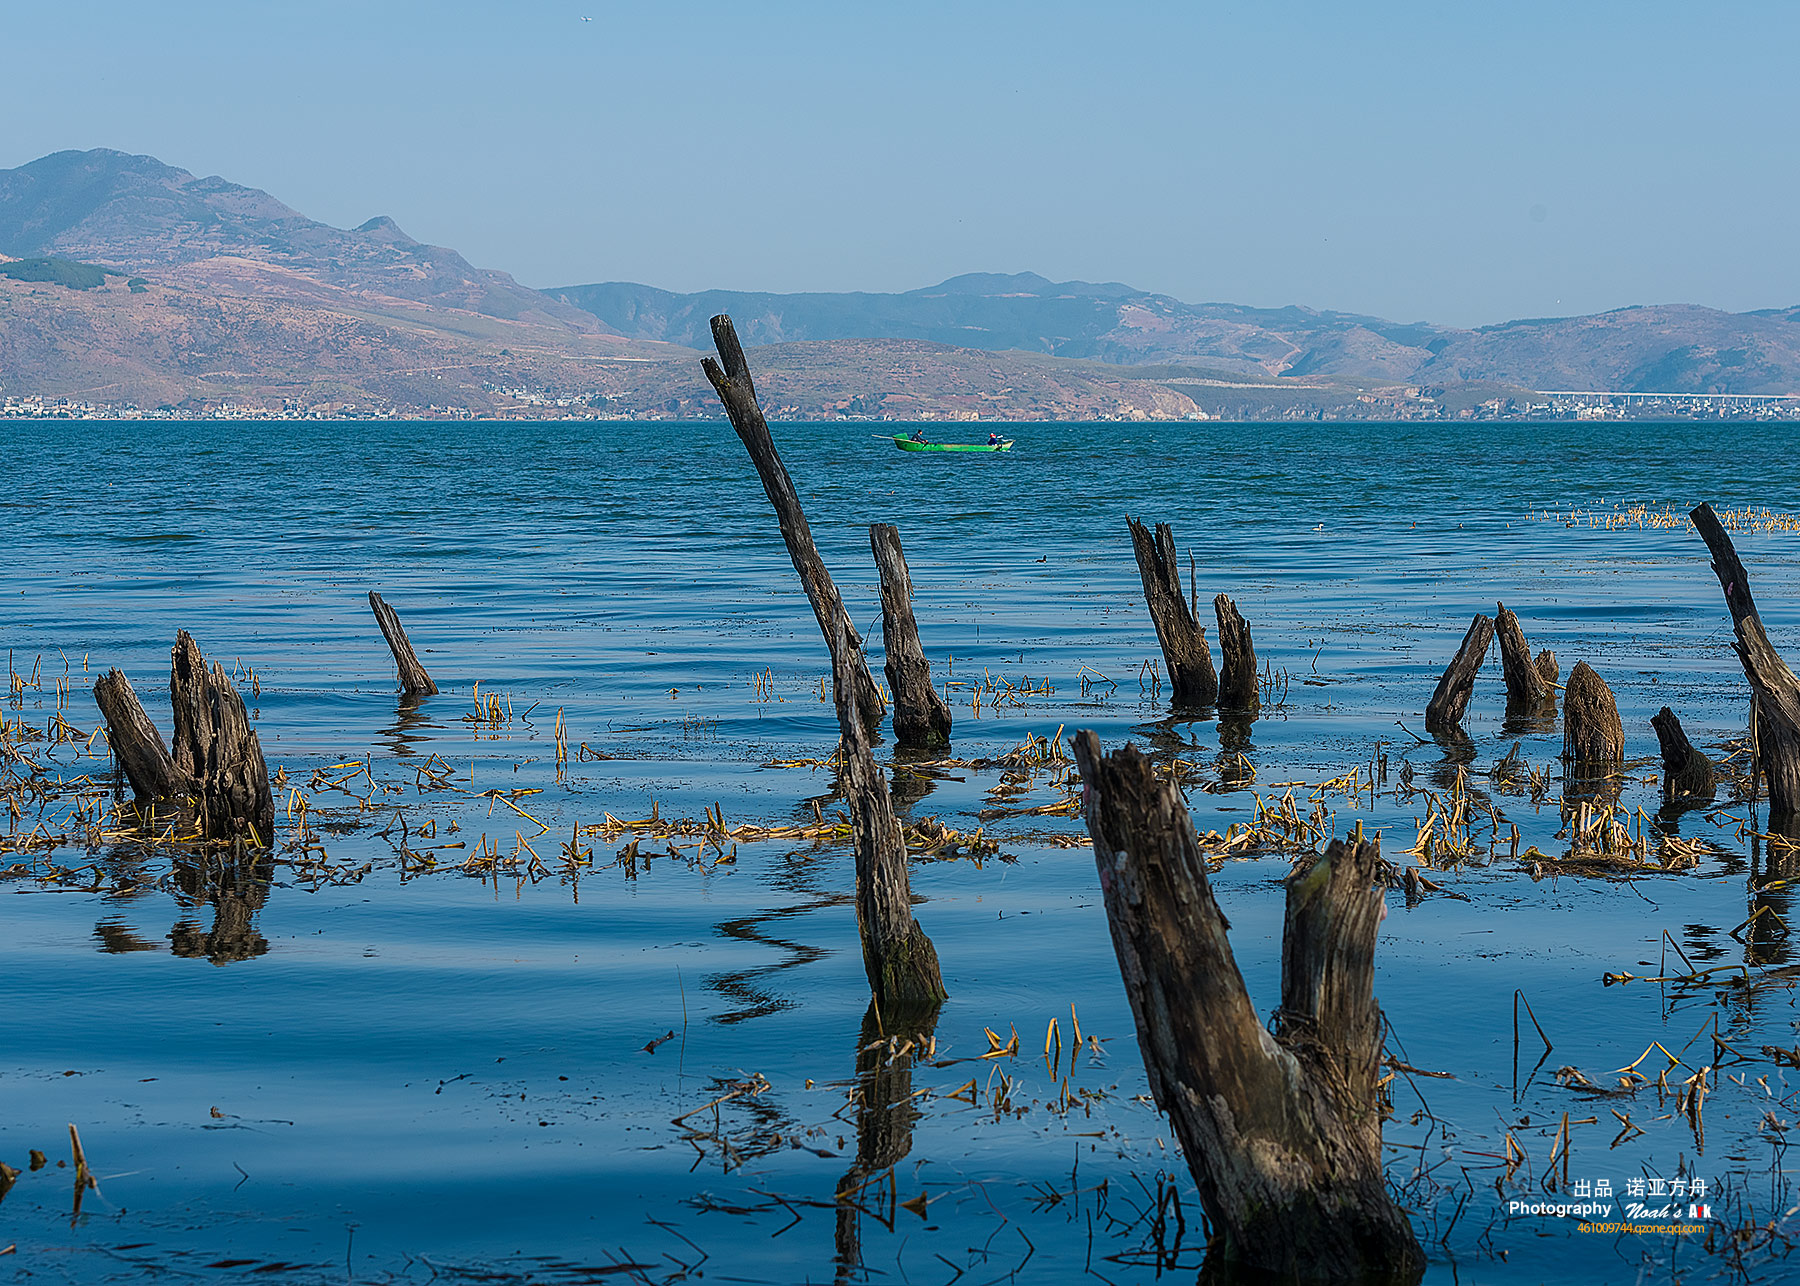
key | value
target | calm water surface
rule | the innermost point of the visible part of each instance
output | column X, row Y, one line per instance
column 400, row 1077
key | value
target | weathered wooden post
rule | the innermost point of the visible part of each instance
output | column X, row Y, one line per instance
column 216, row 767
column 901, row 963
column 1687, row 772
column 1237, row 658
column 1450, row 701
column 1593, row 737
column 1282, row 1134
column 921, row 719
column 1182, row 638
column 1776, row 690
column 413, row 679
column 1527, row 690
column 737, row 391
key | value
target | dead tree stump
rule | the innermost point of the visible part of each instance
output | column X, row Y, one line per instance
column 1282, row 1134
column 1526, row 690
column 921, row 719
column 1182, row 638
column 1450, row 701
column 737, row 392
column 1687, row 772
column 1593, row 737
column 413, row 679
column 1237, row 658
column 1547, row 670
column 217, row 749
column 898, row 958
column 136, row 743
column 1772, row 683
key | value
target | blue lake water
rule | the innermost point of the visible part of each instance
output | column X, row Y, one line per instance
column 402, row 1076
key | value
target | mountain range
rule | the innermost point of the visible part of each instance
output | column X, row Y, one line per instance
column 127, row 281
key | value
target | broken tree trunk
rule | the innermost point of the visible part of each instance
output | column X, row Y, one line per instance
column 1237, row 658
column 136, row 743
column 413, row 679
column 1776, row 690
column 1526, row 690
column 1547, row 669
column 1687, row 772
column 1451, row 699
column 1282, row 1134
column 899, row 959
column 217, row 749
column 1593, row 737
column 737, row 391
column 921, row 719
column 1183, row 638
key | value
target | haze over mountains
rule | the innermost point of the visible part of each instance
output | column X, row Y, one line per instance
column 221, row 293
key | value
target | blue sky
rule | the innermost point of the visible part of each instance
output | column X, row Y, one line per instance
column 1459, row 163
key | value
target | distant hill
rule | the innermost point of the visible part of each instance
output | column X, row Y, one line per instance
column 1674, row 348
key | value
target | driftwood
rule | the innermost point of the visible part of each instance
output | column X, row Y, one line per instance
column 215, row 746
column 1283, row 1134
column 898, row 958
column 1776, row 691
column 1181, row 636
column 1687, row 772
column 732, row 382
column 413, row 679
column 136, row 743
column 1237, row 658
column 921, row 719
column 1593, row 737
column 1526, row 688
column 1450, row 701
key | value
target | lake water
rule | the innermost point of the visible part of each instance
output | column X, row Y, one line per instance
column 362, row 1070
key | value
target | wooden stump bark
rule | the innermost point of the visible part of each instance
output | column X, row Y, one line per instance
column 732, row 382
column 217, row 749
column 1181, row 636
column 1776, row 690
column 1526, row 690
column 1593, row 737
column 136, row 743
column 1237, row 658
column 921, row 719
column 1282, row 1134
column 1450, row 701
column 413, row 679
column 901, row 963
column 1687, row 772
column 1547, row 670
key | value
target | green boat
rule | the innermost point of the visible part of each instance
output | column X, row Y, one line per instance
column 907, row 444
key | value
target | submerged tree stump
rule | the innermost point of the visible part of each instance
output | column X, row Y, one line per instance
column 413, row 679
column 737, row 391
column 217, row 749
column 1593, row 737
column 1181, row 636
column 1687, row 772
column 136, row 743
column 1547, row 670
column 1450, row 701
column 921, row 719
column 1526, row 689
column 1776, row 690
column 1237, row 658
column 901, row 963
column 1282, row 1134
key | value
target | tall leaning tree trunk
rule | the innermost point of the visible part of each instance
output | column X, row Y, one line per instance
column 1450, row 701
column 901, row 963
column 414, row 682
column 1776, row 690
column 136, row 743
column 1181, row 636
column 921, row 719
column 730, row 377
column 1283, row 1133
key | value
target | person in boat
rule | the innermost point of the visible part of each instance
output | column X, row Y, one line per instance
column 919, row 434
column 994, row 439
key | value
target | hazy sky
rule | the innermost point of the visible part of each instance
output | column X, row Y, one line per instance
column 1453, row 162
